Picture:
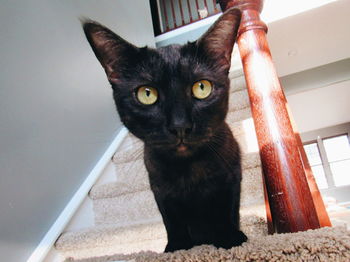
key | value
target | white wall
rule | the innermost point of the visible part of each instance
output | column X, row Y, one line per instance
column 321, row 107
column 57, row 115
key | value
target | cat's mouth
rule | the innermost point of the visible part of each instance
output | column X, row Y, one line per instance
column 185, row 147
column 181, row 147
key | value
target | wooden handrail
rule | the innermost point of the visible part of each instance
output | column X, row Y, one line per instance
column 293, row 207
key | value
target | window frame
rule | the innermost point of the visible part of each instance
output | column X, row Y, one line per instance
column 341, row 193
column 327, row 172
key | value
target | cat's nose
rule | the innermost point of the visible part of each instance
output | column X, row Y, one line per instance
column 180, row 131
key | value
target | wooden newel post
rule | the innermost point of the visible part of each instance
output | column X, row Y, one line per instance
column 291, row 202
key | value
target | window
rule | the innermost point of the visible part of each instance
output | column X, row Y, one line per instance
column 329, row 158
column 338, row 155
column 313, row 154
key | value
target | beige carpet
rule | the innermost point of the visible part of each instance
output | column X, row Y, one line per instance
column 326, row 244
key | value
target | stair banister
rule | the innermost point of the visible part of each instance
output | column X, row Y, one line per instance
column 315, row 192
column 293, row 206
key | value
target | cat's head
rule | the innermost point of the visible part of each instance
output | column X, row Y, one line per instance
column 175, row 97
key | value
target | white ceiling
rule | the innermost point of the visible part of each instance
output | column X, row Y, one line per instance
column 321, row 107
column 278, row 9
column 312, row 38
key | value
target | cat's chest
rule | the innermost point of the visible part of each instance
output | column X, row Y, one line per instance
column 190, row 178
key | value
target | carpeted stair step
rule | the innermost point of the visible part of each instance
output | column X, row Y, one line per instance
column 112, row 207
column 249, row 160
column 130, row 166
column 325, row 245
column 246, row 137
column 239, row 128
column 130, row 182
column 237, row 71
column 129, row 142
column 130, row 154
column 133, row 173
column 237, row 83
column 130, row 200
column 107, row 240
column 252, row 191
column 125, row 209
column 115, row 189
column 239, row 100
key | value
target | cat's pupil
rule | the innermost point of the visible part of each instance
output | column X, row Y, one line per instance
column 201, row 86
column 148, row 92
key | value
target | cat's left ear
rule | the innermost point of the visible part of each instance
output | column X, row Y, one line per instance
column 113, row 52
column 218, row 41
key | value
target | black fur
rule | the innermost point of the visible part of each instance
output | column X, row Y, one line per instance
column 190, row 154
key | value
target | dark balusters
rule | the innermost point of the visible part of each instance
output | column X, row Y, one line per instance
column 173, row 12
column 197, row 6
column 182, row 13
column 165, row 15
column 206, row 6
column 215, row 8
column 189, row 10
column 155, row 17
column 176, row 12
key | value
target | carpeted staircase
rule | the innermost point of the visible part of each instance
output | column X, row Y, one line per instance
column 128, row 227
column 126, row 217
column 322, row 245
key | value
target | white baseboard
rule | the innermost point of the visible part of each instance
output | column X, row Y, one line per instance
column 62, row 221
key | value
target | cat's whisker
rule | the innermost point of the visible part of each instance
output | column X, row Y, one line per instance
column 227, row 165
column 219, row 139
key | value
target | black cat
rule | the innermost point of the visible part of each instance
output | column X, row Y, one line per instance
column 175, row 99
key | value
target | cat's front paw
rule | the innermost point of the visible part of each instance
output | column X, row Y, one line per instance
column 233, row 240
column 173, row 246
column 239, row 238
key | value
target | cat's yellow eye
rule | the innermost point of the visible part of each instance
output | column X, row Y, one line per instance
column 202, row 89
column 147, row 95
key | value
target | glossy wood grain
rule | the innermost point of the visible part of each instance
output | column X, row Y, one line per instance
column 315, row 192
column 290, row 199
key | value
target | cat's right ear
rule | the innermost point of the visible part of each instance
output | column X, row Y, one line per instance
column 218, row 41
column 111, row 50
